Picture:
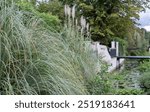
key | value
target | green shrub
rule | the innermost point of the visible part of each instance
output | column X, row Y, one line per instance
column 126, row 84
column 49, row 19
column 55, row 7
column 144, row 66
column 144, row 69
column 26, row 6
column 99, row 85
column 129, row 92
column 145, row 82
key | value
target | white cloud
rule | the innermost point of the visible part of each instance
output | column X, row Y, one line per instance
column 145, row 20
column 147, row 28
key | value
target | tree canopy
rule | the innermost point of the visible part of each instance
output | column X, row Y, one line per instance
column 108, row 19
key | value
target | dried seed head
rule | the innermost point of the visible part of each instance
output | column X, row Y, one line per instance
column 73, row 12
column 84, row 24
column 65, row 10
column 82, row 21
column 68, row 11
column 82, row 30
column 87, row 27
column 76, row 22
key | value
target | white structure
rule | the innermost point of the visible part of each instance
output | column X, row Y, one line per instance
column 102, row 51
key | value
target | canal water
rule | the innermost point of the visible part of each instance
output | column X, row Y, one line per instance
column 133, row 75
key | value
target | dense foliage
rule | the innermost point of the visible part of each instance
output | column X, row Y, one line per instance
column 108, row 19
column 49, row 19
column 36, row 60
column 42, row 52
column 144, row 69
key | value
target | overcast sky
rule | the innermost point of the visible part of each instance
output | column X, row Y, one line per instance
column 145, row 20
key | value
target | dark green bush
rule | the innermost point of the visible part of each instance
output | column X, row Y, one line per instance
column 145, row 82
column 129, row 92
column 98, row 86
column 26, row 6
column 144, row 66
column 49, row 19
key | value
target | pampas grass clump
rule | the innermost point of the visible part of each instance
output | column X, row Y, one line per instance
column 34, row 60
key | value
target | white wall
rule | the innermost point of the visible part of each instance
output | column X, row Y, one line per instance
column 102, row 51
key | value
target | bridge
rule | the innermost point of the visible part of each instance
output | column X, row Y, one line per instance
column 130, row 57
column 133, row 57
column 111, row 55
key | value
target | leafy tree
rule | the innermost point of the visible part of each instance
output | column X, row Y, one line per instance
column 54, row 7
column 49, row 19
column 33, row 2
column 147, row 37
column 110, row 18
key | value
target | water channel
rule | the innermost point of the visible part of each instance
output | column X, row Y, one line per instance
column 129, row 76
column 133, row 75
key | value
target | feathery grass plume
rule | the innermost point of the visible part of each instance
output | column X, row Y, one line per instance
column 83, row 24
column 76, row 22
column 65, row 10
column 73, row 13
column 68, row 11
column 87, row 27
column 82, row 21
